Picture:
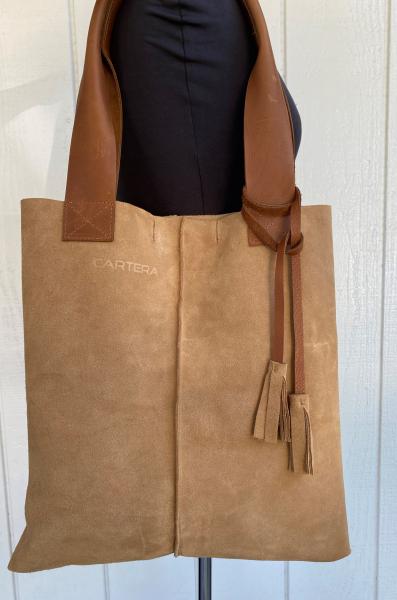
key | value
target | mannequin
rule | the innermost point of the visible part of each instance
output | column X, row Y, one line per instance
column 183, row 68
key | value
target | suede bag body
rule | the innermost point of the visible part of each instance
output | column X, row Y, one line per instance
column 154, row 426
column 144, row 364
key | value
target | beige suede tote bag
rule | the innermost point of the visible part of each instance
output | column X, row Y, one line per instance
column 181, row 371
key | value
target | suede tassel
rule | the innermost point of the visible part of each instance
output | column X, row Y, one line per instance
column 272, row 415
column 300, row 459
column 277, row 414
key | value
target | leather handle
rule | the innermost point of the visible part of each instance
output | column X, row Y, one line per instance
column 94, row 160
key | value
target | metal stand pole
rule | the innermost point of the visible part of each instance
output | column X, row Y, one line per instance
column 205, row 578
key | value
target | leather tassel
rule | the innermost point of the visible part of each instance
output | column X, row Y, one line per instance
column 300, row 458
column 285, row 417
column 272, row 414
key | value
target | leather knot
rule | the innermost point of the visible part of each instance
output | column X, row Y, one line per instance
column 296, row 248
column 291, row 244
column 255, row 215
column 274, row 210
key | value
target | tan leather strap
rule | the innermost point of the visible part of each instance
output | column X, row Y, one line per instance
column 277, row 353
column 292, row 222
column 96, row 139
column 297, row 305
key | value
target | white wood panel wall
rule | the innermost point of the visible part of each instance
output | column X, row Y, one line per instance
column 339, row 58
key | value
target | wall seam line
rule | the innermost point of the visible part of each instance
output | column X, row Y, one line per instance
column 106, row 583
column 73, row 48
column 283, row 27
column 7, row 498
column 286, row 580
column 383, row 283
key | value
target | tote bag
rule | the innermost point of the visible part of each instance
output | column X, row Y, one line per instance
column 181, row 371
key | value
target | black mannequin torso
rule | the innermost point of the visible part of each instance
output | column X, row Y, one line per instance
column 183, row 69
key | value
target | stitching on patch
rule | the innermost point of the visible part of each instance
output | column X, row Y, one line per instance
column 104, row 233
column 87, row 221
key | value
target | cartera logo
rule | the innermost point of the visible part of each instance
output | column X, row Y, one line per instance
column 124, row 265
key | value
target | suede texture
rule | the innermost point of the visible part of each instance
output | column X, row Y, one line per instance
column 144, row 361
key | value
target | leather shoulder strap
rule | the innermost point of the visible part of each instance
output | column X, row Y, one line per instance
column 268, row 133
column 94, row 159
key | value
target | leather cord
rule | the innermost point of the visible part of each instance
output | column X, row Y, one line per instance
column 277, row 353
column 291, row 244
column 297, row 307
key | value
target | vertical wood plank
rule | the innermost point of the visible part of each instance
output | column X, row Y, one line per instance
column 253, row 579
column 257, row 580
column 8, row 585
column 168, row 578
column 336, row 57
column 387, row 554
column 35, row 126
column 81, row 15
column 273, row 11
